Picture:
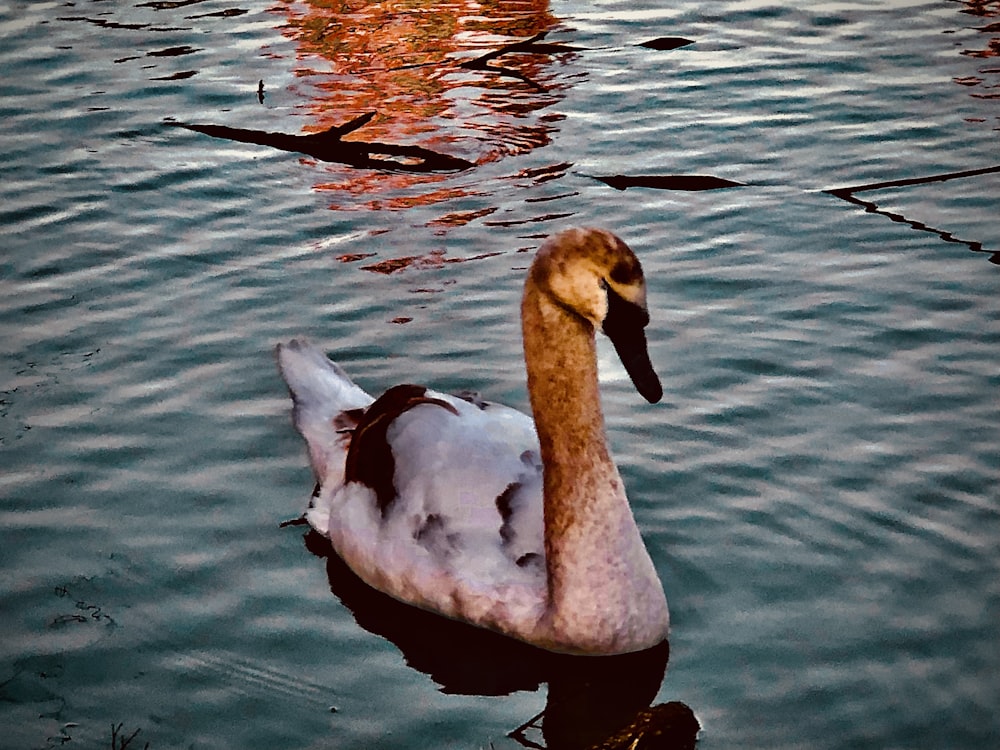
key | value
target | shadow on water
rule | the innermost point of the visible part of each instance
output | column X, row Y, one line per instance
column 592, row 700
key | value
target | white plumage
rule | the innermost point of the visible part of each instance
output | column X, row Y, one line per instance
column 443, row 502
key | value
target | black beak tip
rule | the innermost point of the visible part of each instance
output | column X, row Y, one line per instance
column 652, row 391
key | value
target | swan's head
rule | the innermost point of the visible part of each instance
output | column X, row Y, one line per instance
column 594, row 274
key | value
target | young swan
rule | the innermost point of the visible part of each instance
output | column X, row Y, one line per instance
column 468, row 508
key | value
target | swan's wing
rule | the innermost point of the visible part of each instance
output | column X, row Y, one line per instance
column 456, row 526
column 476, row 473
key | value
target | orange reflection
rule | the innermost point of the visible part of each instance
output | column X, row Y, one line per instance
column 986, row 84
column 403, row 59
column 982, row 8
column 985, row 10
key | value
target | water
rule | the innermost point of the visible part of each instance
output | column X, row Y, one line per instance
column 818, row 488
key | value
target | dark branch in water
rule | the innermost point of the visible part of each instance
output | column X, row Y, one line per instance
column 328, row 146
column 665, row 43
column 841, row 192
column 667, row 182
column 533, row 46
column 120, row 742
column 848, row 194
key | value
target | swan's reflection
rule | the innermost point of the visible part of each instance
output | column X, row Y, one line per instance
column 590, row 698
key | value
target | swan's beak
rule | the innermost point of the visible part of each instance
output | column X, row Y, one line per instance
column 624, row 325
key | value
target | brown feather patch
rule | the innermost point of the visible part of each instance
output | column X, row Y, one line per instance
column 369, row 458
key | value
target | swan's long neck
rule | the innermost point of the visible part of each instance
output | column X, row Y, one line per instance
column 599, row 573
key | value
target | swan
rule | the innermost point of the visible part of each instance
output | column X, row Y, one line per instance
column 475, row 511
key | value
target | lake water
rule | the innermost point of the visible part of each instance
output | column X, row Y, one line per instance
column 819, row 489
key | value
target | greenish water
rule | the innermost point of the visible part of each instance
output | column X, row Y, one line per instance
column 818, row 488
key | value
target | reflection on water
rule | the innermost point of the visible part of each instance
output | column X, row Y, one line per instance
column 431, row 71
column 330, row 144
column 589, row 699
column 986, row 84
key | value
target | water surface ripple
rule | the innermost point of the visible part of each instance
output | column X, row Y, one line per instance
column 818, row 488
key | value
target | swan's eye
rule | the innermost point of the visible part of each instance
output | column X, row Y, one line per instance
column 623, row 313
column 626, row 272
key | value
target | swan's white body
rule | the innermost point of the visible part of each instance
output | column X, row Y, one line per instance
column 463, row 507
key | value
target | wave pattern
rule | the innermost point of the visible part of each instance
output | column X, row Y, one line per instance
column 817, row 489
